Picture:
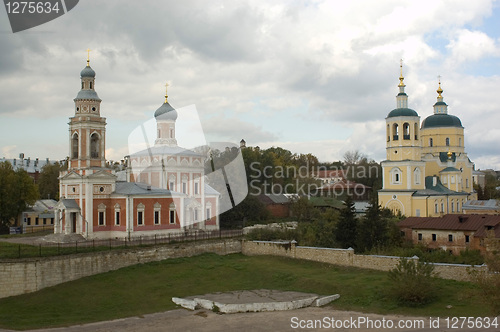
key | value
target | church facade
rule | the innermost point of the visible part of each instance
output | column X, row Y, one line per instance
column 163, row 190
column 427, row 172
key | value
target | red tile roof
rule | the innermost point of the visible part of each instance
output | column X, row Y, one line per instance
column 457, row 222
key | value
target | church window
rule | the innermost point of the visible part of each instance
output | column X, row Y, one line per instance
column 101, row 210
column 159, row 133
column 420, row 237
column 196, row 190
column 442, row 207
column 171, row 133
column 91, row 85
column 460, row 141
column 406, row 130
column 93, row 109
column 452, row 206
column 395, row 132
column 184, row 185
column 467, row 239
column 117, row 214
column 430, row 142
column 452, row 179
column 396, row 175
column 157, row 213
column 172, row 214
column 195, row 217
column 140, row 214
column 94, row 146
column 416, row 130
column 447, row 141
column 83, row 85
column 436, row 207
column 434, row 237
column 466, row 183
column 450, row 237
column 388, row 134
column 74, row 146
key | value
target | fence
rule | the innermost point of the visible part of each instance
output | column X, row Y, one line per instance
column 38, row 249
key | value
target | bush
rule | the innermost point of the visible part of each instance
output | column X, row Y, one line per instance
column 412, row 282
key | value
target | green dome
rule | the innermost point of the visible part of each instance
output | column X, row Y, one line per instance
column 402, row 112
column 441, row 120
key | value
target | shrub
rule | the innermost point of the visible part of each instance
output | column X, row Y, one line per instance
column 412, row 282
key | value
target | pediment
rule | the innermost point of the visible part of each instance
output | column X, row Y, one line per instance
column 71, row 175
column 102, row 174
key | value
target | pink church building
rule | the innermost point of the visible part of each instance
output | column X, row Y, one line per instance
column 164, row 187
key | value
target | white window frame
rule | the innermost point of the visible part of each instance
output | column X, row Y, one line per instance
column 101, row 209
column 117, row 210
column 171, row 211
column 157, row 209
column 140, row 211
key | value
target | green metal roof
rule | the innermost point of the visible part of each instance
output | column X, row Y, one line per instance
column 402, row 112
column 449, row 169
column 441, row 120
column 166, row 112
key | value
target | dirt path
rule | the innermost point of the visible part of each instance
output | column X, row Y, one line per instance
column 207, row 321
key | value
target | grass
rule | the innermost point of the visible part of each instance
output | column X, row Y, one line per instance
column 148, row 288
column 16, row 250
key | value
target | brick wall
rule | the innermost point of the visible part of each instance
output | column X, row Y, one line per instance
column 29, row 275
column 347, row 257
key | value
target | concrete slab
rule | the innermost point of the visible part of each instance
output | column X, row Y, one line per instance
column 253, row 301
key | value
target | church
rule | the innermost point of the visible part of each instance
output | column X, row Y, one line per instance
column 162, row 191
column 427, row 172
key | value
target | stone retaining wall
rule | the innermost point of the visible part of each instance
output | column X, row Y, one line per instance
column 32, row 274
column 347, row 257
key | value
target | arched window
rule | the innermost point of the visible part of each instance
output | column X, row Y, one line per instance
column 388, row 133
column 171, row 215
column 460, row 141
column 157, row 213
column 447, row 141
column 416, row 130
column 94, row 145
column 395, row 132
column 91, row 85
column 208, row 215
column 406, row 130
column 395, row 176
column 74, row 146
column 430, row 142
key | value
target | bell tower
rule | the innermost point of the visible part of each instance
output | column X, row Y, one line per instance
column 87, row 129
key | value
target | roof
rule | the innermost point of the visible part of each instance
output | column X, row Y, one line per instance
column 87, row 72
column 210, row 191
column 163, row 150
column 70, row 204
column 443, row 156
column 344, row 184
column 329, row 173
column 449, row 169
column 166, row 112
column 490, row 204
column 29, row 165
column 273, row 199
column 87, row 94
column 133, row 188
column 402, row 112
column 456, row 222
column 43, row 205
column 441, row 120
column 436, row 190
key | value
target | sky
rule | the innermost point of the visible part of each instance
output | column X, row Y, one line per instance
column 309, row 76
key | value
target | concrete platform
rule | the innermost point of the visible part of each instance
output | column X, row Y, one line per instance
column 253, row 301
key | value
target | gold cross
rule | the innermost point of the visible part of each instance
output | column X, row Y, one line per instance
column 88, row 56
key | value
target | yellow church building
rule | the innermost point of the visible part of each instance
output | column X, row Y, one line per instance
column 427, row 172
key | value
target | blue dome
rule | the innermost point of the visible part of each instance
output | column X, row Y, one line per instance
column 166, row 112
column 87, row 72
column 441, row 120
column 402, row 112
column 87, row 94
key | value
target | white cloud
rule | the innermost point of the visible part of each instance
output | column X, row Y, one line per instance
column 471, row 45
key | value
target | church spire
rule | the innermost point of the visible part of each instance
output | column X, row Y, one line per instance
column 402, row 97
column 88, row 57
column 440, row 106
column 166, row 93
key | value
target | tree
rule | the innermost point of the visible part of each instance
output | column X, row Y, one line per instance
column 251, row 209
column 48, row 182
column 345, row 232
column 303, row 209
column 17, row 192
column 372, row 231
column 412, row 283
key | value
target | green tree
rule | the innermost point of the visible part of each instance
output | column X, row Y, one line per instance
column 303, row 209
column 249, row 211
column 372, row 231
column 346, row 230
column 17, row 192
column 48, row 182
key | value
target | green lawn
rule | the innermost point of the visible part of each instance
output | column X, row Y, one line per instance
column 148, row 288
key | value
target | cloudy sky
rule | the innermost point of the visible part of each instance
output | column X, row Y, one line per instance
column 309, row 76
